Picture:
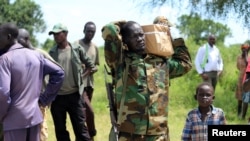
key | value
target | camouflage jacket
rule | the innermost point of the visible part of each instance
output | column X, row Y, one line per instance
column 145, row 109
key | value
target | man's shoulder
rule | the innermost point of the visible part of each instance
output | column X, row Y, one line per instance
column 44, row 53
column 77, row 47
column 41, row 50
column 216, row 47
column 94, row 44
column 53, row 49
column 80, row 43
column 202, row 47
column 76, row 42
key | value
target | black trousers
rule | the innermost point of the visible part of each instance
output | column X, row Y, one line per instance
column 212, row 78
column 1, row 132
column 71, row 104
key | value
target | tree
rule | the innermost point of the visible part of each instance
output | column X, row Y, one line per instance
column 197, row 29
column 48, row 44
column 214, row 9
column 25, row 14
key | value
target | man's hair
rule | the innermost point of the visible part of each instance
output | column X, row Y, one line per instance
column 24, row 32
column 10, row 28
column 126, row 28
column 211, row 36
column 88, row 23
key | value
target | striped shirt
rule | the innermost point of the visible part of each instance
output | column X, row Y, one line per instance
column 195, row 129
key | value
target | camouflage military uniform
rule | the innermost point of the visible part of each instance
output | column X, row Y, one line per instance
column 145, row 109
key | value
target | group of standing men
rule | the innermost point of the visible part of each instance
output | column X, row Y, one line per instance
column 24, row 91
column 70, row 86
column 79, row 60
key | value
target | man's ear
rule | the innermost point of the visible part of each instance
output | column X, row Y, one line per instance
column 213, row 97
column 195, row 96
column 125, row 40
column 9, row 36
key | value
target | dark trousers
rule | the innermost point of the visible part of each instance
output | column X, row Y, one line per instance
column 1, row 132
column 90, row 119
column 71, row 104
column 212, row 78
column 23, row 134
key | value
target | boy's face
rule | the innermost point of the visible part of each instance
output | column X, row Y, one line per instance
column 205, row 96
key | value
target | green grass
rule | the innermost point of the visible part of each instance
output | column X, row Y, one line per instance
column 181, row 97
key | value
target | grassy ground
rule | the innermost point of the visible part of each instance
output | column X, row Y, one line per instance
column 177, row 116
column 176, row 119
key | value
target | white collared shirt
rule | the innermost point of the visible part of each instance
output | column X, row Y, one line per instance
column 214, row 61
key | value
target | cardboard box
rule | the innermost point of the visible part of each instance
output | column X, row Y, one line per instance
column 158, row 40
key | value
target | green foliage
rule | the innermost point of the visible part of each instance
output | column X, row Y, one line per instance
column 48, row 44
column 197, row 29
column 215, row 9
column 25, row 13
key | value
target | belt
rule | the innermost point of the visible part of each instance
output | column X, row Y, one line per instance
column 131, row 135
column 212, row 71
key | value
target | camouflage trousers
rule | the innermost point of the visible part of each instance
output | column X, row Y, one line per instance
column 132, row 137
column 44, row 126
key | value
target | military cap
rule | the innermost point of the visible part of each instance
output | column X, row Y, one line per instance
column 58, row 28
column 163, row 21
